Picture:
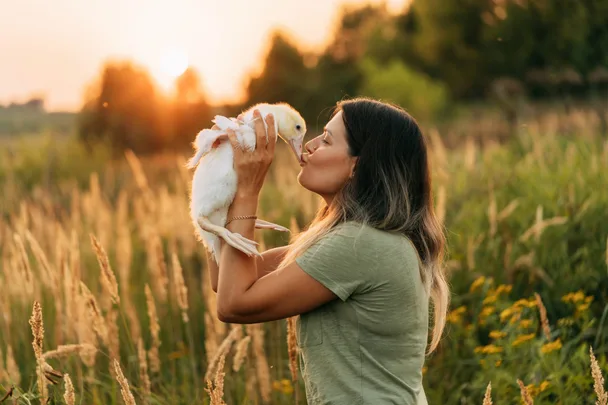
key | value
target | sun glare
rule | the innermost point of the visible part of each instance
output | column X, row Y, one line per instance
column 172, row 64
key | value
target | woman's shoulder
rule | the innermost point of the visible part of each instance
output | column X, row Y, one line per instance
column 384, row 245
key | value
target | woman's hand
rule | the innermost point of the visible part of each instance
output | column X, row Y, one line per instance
column 251, row 166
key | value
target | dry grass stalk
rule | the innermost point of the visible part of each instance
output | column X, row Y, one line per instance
column 127, row 395
column 37, row 326
column 24, row 262
column 441, row 204
column 508, row 210
column 292, row 348
column 543, row 316
column 525, row 395
column 94, row 314
column 67, row 350
column 157, row 266
column 180, row 286
column 263, row 371
column 144, row 378
column 37, row 329
column 69, row 396
column 539, row 227
column 40, row 256
column 598, row 380
column 113, row 334
column 211, row 345
column 3, row 373
column 492, row 215
column 241, row 353
column 154, row 331
column 217, row 393
column 487, row 399
column 14, row 375
column 224, row 348
column 108, row 279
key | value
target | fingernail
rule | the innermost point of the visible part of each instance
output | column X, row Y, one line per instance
column 270, row 115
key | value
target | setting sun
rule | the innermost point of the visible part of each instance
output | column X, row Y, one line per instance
column 172, row 64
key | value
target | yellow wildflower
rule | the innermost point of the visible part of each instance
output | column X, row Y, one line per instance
column 496, row 334
column 532, row 390
column 551, row 346
column 523, row 338
column 582, row 307
column 506, row 288
column 455, row 316
column 286, row 386
column 477, row 283
column 515, row 318
column 543, row 385
column 489, row 349
column 574, row 297
column 276, row 385
column 498, row 363
column 589, row 299
column 506, row 313
column 565, row 322
column 525, row 323
column 486, row 311
column 490, row 299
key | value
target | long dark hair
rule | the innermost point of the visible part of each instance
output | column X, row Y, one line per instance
column 390, row 190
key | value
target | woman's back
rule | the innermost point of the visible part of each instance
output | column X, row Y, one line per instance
column 367, row 347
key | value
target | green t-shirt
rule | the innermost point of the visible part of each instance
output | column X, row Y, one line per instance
column 368, row 347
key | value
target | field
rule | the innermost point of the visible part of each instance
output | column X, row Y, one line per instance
column 99, row 252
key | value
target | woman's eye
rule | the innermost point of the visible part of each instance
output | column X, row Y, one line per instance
column 325, row 141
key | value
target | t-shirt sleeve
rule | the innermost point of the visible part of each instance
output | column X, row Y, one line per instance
column 340, row 261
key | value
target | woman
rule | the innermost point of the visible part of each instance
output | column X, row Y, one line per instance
column 361, row 275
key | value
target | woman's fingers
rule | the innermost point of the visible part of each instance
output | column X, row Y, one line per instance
column 272, row 136
column 260, row 131
column 236, row 147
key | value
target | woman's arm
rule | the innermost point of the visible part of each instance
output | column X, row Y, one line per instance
column 266, row 264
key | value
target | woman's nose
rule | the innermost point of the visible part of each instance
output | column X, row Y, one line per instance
column 312, row 145
column 309, row 146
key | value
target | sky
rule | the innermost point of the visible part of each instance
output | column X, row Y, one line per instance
column 54, row 49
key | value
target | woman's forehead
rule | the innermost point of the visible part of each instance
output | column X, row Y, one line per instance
column 336, row 125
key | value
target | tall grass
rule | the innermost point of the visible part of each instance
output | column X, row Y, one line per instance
column 104, row 253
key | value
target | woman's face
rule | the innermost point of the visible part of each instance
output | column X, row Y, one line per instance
column 327, row 165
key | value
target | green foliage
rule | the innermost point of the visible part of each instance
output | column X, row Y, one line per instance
column 418, row 94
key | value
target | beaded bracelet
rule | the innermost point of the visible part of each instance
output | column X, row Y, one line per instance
column 240, row 217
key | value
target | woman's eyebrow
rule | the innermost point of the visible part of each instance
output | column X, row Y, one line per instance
column 328, row 131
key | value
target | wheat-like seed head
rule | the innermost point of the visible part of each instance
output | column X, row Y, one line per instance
column 144, row 378
column 180, row 286
column 68, row 396
column 66, row 350
column 263, row 371
column 543, row 317
column 292, row 348
column 487, row 399
column 241, row 353
column 108, row 279
column 525, row 395
column 154, row 331
column 598, row 380
column 127, row 396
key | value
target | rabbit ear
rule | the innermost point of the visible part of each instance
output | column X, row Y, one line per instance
column 203, row 144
